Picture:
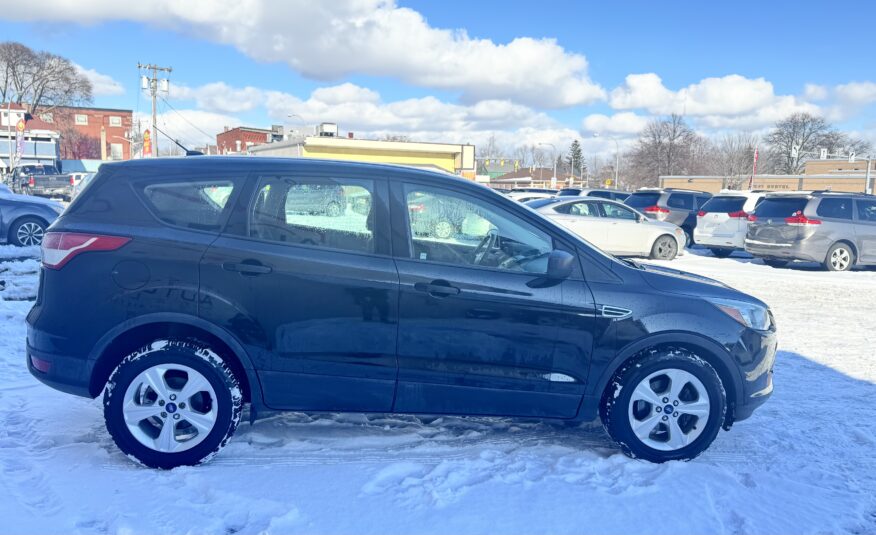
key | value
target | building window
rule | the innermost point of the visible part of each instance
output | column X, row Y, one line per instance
column 81, row 119
column 47, row 117
column 115, row 120
column 116, row 151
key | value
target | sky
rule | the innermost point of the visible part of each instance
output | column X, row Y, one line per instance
column 463, row 71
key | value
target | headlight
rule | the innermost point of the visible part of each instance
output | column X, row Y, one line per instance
column 748, row 314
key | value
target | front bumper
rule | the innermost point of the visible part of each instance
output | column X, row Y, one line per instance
column 783, row 250
column 755, row 353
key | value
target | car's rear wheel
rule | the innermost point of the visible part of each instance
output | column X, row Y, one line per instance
column 665, row 248
column 721, row 253
column 27, row 231
column 840, row 257
column 772, row 262
column 664, row 405
column 443, row 229
column 172, row 403
column 333, row 209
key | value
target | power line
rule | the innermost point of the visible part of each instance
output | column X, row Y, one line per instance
column 193, row 125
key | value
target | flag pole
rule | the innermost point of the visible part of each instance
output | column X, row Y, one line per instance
column 753, row 169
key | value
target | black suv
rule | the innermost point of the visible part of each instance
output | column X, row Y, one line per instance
column 182, row 289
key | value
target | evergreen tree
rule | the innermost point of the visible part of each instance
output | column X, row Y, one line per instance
column 575, row 159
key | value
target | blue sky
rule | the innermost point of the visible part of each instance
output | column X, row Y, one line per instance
column 380, row 67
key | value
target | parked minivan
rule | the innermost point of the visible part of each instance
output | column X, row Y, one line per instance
column 180, row 289
column 723, row 220
column 837, row 230
column 676, row 206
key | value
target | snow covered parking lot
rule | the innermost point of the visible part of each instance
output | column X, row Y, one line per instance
column 802, row 464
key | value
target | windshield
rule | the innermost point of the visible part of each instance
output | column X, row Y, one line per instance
column 781, row 206
column 724, row 205
column 641, row 200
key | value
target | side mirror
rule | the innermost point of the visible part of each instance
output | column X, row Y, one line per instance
column 560, row 265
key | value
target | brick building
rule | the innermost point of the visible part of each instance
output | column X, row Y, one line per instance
column 84, row 132
column 241, row 138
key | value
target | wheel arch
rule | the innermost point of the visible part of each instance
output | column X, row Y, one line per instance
column 852, row 246
column 17, row 218
column 133, row 334
column 705, row 348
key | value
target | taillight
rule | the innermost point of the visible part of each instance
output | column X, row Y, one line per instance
column 58, row 248
column 741, row 214
column 799, row 220
column 417, row 208
column 655, row 210
column 701, row 213
column 31, row 182
column 71, row 181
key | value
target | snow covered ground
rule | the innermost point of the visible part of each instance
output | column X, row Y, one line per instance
column 804, row 463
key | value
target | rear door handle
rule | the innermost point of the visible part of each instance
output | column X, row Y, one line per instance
column 247, row 267
column 437, row 288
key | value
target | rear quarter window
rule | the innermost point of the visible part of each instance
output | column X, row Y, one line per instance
column 641, row 200
column 683, row 201
column 196, row 205
column 835, row 208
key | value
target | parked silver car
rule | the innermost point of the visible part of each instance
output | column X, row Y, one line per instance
column 837, row 230
column 676, row 206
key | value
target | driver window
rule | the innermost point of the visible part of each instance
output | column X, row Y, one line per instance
column 614, row 211
column 447, row 227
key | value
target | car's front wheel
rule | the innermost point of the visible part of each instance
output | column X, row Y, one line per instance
column 664, row 405
column 27, row 231
column 665, row 248
column 721, row 253
column 172, row 403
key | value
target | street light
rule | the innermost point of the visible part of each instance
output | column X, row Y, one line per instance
column 616, row 157
column 554, row 156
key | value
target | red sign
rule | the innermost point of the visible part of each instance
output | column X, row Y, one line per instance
column 147, row 143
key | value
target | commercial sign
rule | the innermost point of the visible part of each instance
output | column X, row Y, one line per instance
column 147, row 143
column 19, row 138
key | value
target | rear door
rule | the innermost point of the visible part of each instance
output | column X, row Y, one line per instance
column 480, row 329
column 715, row 217
column 770, row 226
column 865, row 228
column 312, row 295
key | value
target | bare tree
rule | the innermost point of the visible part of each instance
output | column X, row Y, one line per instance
column 732, row 157
column 40, row 81
column 665, row 147
column 799, row 137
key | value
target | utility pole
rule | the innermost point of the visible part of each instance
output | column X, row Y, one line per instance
column 151, row 83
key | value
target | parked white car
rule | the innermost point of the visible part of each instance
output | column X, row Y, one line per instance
column 613, row 226
column 530, row 194
column 723, row 220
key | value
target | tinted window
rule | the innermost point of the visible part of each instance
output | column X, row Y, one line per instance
column 683, row 201
column 867, row 211
column 334, row 214
column 620, row 196
column 702, row 199
column 781, row 206
column 614, row 211
column 641, row 200
column 723, row 205
column 600, row 194
column 569, row 192
column 452, row 228
column 579, row 208
column 196, row 205
column 835, row 208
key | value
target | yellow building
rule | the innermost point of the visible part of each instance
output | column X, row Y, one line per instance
column 452, row 158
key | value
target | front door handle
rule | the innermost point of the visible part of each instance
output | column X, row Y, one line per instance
column 437, row 288
column 247, row 267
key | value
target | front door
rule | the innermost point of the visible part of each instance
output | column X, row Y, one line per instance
column 865, row 229
column 311, row 292
column 623, row 227
column 478, row 321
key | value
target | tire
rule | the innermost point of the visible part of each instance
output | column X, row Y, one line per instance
column 443, row 229
column 722, row 253
column 663, row 436
column 27, row 231
column 840, row 257
column 688, row 237
column 665, row 247
column 333, row 209
column 774, row 263
column 170, row 366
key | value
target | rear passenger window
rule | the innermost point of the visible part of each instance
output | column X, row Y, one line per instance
column 835, row 208
column 334, row 214
column 867, row 211
column 194, row 205
column 680, row 200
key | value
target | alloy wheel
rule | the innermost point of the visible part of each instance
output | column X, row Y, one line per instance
column 30, row 233
column 443, row 229
column 669, row 409
column 666, row 248
column 333, row 209
column 170, row 408
column 840, row 259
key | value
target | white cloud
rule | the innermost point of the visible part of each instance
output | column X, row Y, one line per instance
column 101, row 84
column 856, row 93
column 619, row 123
column 219, row 97
column 192, row 128
column 815, row 92
column 329, row 40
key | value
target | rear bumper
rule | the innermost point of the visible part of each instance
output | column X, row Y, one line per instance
column 62, row 372
column 784, row 250
column 723, row 241
column 41, row 191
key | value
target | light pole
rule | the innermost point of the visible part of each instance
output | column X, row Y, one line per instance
column 616, row 158
column 554, row 156
column 303, row 126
